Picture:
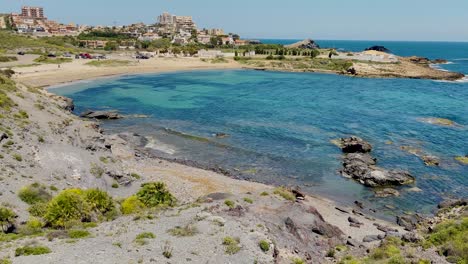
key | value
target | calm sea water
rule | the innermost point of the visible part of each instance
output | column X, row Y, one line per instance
column 281, row 124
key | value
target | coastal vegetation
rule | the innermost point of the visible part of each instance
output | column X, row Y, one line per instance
column 109, row 63
column 48, row 60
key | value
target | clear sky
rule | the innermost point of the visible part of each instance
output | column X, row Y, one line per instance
column 434, row 20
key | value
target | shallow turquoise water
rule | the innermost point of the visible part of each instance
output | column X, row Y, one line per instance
column 281, row 124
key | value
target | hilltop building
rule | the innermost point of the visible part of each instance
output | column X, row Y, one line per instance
column 32, row 20
column 32, row 12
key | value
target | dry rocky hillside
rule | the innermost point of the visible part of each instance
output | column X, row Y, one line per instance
column 71, row 194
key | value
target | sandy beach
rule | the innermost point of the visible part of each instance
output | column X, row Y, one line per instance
column 51, row 74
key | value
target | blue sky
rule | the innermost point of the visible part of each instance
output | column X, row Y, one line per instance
column 433, row 20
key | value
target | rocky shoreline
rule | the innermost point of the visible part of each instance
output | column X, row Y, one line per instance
column 52, row 147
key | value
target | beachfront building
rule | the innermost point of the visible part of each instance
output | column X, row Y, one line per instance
column 210, row 54
column 93, row 44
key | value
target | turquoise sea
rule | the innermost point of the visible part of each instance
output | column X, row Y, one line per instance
column 281, row 124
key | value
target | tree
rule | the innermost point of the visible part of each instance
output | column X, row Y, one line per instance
column 236, row 54
column 235, row 37
column 162, row 43
column 314, row 53
column 111, row 45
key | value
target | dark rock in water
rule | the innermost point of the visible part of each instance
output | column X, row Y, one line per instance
column 452, row 203
column 386, row 193
column 359, row 204
column 3, row 136
column 221, row 135
column 439, row 61
column 113, row 114
column 358, row 164
column 304, row 44
column 431, row 160
column 354, row 145
column 342, row 210
column 379, row 48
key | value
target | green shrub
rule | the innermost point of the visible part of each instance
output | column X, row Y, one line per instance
column 38, row 209
column 21, row 115
column 75, row 234
column 264, row 245
column 17, row 157
column 451, row 239
column 285, row 193
column 32, row 226
column 32, row 250
column 101, row 202
column 115, row 185
column 67, row 208
column 34, row 194
column 136, row 176
column 264, row 194
column 7, row 218
column 5, row 261
column 231, row 245
column 185, row 231
column 75, row 206
column 229, row 203
column 141, row 239
column 248, row 200
column 154, row 194
column 132, row 205
column 145, row 235
column 298, row 261
column 96, row 170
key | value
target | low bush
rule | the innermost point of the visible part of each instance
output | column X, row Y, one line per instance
column 285, row 193
column 264, row 245
column 231, row 245
column 32, row 250
column 7, row 218
column 132, row 205
column 141, row 239
column 101, row 202
column 185, row 231
column 155, row 194
column 74, row 206
column 32, row 226
column 38, row 209
column 229, row 203
column 33, row 194
column 76, row 233
column 451, row 240
column 67, row 209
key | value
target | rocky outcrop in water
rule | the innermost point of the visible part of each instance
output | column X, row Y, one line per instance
column 358, row 164
column 379, row 48
column 304, row 44
column 111, row 114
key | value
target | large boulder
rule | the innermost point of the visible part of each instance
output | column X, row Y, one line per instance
column 354, row 145
column 304, row 44
column 359, row 165
column 111, row 114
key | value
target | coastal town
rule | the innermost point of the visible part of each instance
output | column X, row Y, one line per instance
column 73, row 190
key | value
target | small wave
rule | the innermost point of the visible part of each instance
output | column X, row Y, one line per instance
column 463, row 80
column 462, row 59
column 153, row 144
column 437, row 67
